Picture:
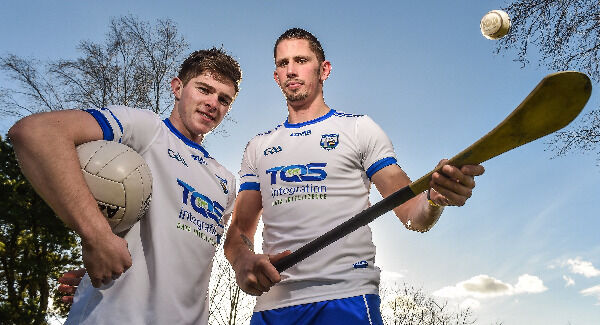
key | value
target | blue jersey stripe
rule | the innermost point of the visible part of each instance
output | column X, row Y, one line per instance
column 107, row 131
column 184, row 139
column 318, row 119
column 250, row 186
column 378, row 165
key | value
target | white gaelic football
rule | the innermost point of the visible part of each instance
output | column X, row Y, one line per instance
column 119, row 179
column 495, row 24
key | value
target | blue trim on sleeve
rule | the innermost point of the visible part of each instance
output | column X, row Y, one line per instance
column 318, row 119
column 378, row 165
column 107, row 131
column 249, row 186
column 116, row 119
column 184, row 139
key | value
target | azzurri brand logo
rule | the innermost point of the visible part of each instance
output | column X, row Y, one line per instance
column 300, row 134
column 175, row 155
column 201, row 203
column 298, row 173
column 272, row 150
column 199, row 159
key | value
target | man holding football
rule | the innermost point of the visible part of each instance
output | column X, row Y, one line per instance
column 129, row 279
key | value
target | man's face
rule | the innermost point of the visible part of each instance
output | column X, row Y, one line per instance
column 297, row 70
column 203, row 103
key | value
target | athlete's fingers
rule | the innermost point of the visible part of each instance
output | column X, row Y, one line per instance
column 96, row 282
column 72, row 277
column 250, row 286
column 68, row 289
column 252, row 291
column 67, row 299
column 275, row 277
column 69, row 281
column 79, row 273
column 263, row 283
column 450, row 191
column 472, row 170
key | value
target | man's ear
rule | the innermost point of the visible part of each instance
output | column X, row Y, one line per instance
column 325, row 70
column 176, row 87
column 276, row 77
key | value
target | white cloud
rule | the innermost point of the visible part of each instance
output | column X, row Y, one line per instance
column 529, row 284
column 585, row 268
column 568, row 281
column 593, row 291
column 485, row 286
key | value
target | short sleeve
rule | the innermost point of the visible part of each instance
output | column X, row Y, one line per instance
column 376, row 148
column 136, row 128
column 248, row 171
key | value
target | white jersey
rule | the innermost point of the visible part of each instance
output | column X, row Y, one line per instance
column 313, row 176
column 173, row 245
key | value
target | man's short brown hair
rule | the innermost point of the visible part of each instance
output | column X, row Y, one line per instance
column 299, row 33
column 214, row 60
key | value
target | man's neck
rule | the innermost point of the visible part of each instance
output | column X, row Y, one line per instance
column 178, row 124
column 304, row 113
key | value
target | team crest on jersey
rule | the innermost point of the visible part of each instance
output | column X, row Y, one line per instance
column 330, row 141
column 361, row 265
column 223, row 183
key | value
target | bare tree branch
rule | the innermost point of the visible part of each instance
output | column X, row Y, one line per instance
column 566, row 36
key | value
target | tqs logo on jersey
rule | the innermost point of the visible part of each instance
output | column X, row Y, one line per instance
column 199, row 159
column 330, row 141
column 201, row 203
column 175, row 155
column 223, row 183
column 300, row 134
column 272, row 150
column 298, row 173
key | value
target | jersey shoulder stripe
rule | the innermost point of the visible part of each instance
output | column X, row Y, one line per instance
column 344, row 114
column 269, row 132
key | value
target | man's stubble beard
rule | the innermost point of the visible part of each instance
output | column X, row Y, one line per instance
column 296, row 97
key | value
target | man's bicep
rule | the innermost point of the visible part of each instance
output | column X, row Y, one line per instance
column 84, row 126
column 390, row 179
column 75, row 125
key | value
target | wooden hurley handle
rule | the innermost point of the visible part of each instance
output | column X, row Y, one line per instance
column 552, row 104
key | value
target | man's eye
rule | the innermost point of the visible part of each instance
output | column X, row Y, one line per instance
column 282, row 64
column 203, row 90
column 224, row 101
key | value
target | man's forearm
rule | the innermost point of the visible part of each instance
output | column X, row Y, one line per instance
column 424, row 214
column 237, row 244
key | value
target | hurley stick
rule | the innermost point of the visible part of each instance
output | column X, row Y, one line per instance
column 553, row 104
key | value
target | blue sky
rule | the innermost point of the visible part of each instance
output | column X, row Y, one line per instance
column 423, row 71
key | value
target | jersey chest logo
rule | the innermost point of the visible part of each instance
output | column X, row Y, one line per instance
column 330, row 141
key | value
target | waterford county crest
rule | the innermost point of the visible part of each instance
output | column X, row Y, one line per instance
column 329, row 141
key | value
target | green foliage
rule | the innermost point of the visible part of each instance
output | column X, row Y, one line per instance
column 35, row 248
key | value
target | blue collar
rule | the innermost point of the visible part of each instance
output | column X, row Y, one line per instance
column 318, row 119
column 184, row 139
